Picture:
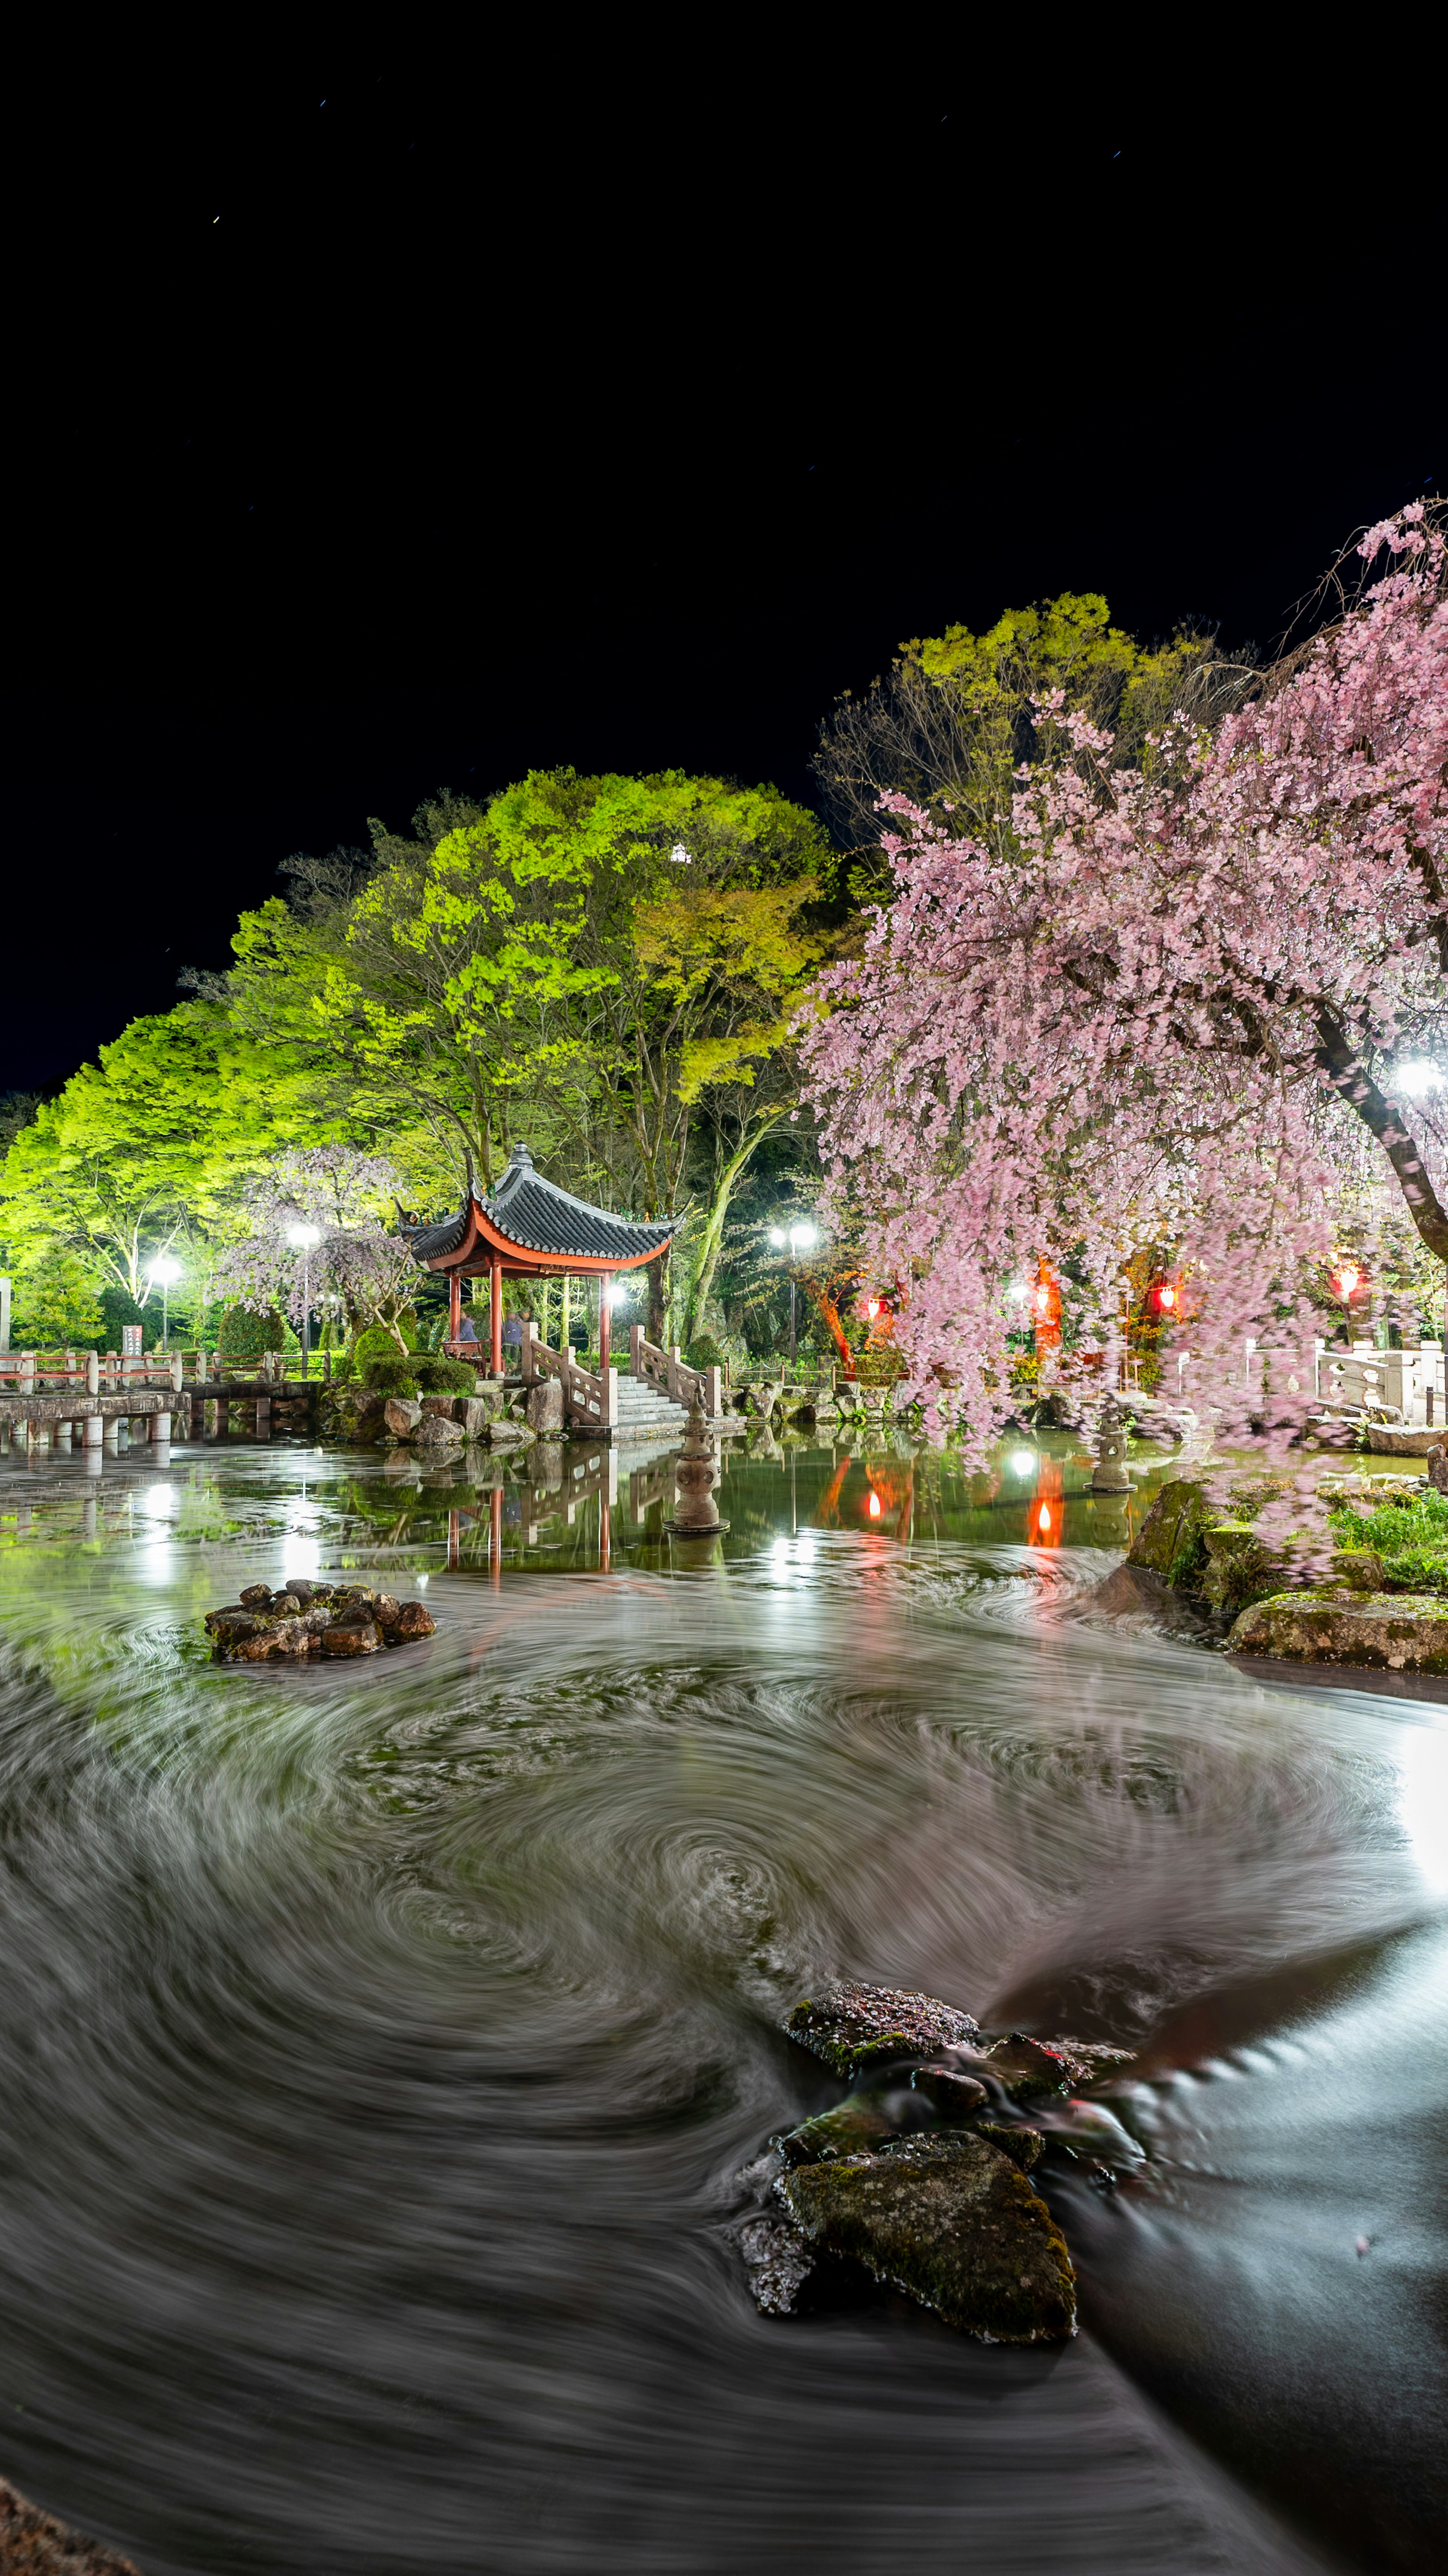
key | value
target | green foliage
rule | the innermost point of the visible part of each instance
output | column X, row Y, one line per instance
column 246, row 1335
column 705, row 1352
column 389, row 1372
column 344, row 1369
column 56, row 1307
column 377, row 1342
column 1410, row 1535
column 436, row 1374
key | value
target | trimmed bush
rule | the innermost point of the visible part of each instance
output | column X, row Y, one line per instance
column 390, row 1373
column 245, row 1335
column 378, row 1342
column 436, row 1374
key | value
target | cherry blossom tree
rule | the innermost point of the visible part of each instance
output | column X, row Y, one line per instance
column 358, row 1258
column 1170, row 1006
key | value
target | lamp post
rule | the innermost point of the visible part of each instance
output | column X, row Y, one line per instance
column 799, row 1238
column 165, row 1270
column 304, row 1236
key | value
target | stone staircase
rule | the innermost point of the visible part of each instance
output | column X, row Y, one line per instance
column 645, row 1413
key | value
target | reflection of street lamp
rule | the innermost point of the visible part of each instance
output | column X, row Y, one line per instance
column 799, row 1239
column 165, row 1270
column 304, row 1236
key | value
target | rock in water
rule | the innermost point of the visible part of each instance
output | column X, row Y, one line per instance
column 955, row 2095
column 350, row 1637
column 950, row 2220
column 851, row 2026
column 412, row 1621
column 855, row 2125
column 1023, row 2146
column 778, row 2262
column 33, row 2543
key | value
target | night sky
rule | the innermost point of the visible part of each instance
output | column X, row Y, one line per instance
column 394, row 423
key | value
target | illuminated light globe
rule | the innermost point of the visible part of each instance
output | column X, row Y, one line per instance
column 1168, row 1297
column 1418, row 1075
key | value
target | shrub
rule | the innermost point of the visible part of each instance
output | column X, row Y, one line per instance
column 343, row 1370
column 376, row 1343
column 245, row 1335
column 390, row 1373
column 438, row 1375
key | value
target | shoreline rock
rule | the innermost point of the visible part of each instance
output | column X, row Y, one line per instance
column 1396, row 1632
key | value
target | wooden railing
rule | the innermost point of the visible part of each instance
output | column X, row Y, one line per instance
column 98, row 1373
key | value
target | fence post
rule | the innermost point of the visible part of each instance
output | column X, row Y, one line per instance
column 526, row 1355
column 713, row 1392
column 635, row 1350
column 609, row 1414
column 178, row 1371
column 673, row 1369
column 27, row 1372
column 92, row 1373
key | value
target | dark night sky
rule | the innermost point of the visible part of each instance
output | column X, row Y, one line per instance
column 568, row 408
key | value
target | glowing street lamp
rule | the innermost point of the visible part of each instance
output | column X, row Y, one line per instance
column 304, row 1236
column 165, row 1269
column 799, row 1238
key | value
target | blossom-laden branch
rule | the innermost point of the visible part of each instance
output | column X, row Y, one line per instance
column 1165, row 1012
column 358, row 1259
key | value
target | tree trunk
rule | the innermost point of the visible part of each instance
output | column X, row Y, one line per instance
column 1380, row 1116
column 713, row 1236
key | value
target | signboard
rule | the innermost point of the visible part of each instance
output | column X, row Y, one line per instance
column 131, row 1341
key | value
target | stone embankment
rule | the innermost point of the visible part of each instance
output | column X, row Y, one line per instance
column 33, row 2543
column 919, row 2178
column 338, row 1619
column 504, row 1417
column 1198, row 1563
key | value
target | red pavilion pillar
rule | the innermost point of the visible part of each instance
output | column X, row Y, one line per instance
column 495, row 1315
column 454, row 1306
column 605, row 1282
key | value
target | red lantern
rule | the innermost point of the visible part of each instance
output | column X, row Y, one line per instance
column 872, row 1307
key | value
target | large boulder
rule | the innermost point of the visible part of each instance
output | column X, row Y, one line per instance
column 545, row 1409
column 488, row 1405
column 436, row 1431
column 949, row 2219
column 402, row 1414
column 852, row 2026
column 1396, row 1632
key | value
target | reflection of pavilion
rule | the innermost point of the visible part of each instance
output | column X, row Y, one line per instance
column 531, row 1229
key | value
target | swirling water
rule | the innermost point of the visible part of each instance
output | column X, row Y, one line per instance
column 381, row 2046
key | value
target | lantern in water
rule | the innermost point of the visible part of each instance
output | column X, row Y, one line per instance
column 876, row 1506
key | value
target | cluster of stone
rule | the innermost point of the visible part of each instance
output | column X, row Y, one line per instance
column 266, row 1627
column 921, row 2180
column 503, row 1416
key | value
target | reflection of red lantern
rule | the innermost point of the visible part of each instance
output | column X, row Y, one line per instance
column 1043, row 1520
column 1046, row 1310
column 876, row 1506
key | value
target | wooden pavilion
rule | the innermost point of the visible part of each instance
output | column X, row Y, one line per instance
column 530, row 1229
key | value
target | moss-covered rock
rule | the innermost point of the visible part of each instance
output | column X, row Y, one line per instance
column 955, row 2096
column 1171, row 1541
column 852, row 2026
column 854, row 2127
column 1399, row 1632
column 1023, row 2146
column 1239, row 1569
column 951, row 2221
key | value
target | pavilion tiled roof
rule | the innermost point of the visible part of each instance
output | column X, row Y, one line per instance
column 535, row 1213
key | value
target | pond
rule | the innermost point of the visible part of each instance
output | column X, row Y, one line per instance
column 383, row 2043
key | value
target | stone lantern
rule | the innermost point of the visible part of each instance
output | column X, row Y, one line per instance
column 1109, row 1475
column 696, row 1513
